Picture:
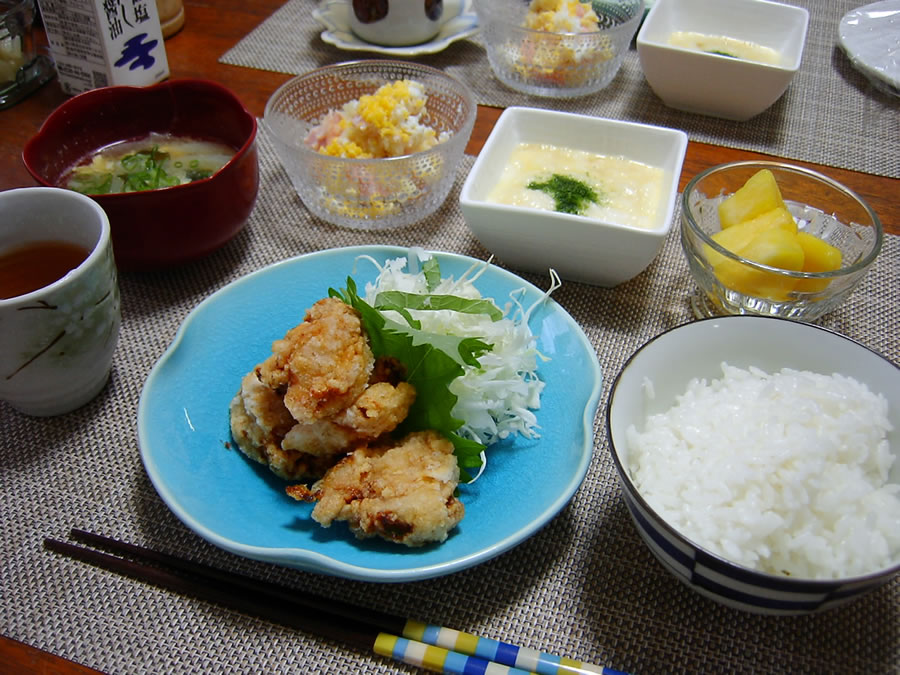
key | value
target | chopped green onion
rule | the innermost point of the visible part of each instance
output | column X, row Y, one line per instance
column 197, row 174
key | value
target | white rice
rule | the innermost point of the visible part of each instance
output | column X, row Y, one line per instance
column 785, row 473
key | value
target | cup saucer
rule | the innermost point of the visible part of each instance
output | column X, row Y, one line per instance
column 334, row 15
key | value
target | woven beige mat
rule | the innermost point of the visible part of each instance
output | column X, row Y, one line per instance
column 830, row 114
column 584, row 586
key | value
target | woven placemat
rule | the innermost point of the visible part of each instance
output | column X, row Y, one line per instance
column 831, row 114
column 584, row 586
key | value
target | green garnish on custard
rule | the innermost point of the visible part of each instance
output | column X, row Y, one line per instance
column 570, row 195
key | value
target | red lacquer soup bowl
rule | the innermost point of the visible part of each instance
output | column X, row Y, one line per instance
column 169, row 225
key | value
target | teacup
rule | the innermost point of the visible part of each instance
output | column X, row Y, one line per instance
column 59, row 300
column 396, row 23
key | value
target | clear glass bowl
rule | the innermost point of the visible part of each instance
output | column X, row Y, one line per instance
column 558, row 65
column 23, row 69
column 369, row 193
column 821, row 206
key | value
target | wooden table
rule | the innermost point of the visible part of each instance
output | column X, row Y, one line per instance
column 211, row 28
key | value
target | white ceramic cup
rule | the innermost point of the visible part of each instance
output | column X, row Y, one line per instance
column 57, row 342
column 397, row 23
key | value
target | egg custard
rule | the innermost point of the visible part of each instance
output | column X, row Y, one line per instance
column 725, row 46
column 606, row 188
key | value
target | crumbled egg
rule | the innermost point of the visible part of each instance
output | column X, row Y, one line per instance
column 387, row 123
column 390, row 122
column 561, row 60
column 561, row 16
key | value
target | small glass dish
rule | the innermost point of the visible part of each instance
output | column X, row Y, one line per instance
column 22, row 69
column 558, row 65
column 820, row 206
column 369, row 193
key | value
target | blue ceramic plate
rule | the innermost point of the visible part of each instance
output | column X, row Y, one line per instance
column 240, row 506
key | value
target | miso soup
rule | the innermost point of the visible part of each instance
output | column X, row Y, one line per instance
column 158, row 161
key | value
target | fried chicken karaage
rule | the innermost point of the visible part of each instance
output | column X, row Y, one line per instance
column 323, row 364
column 321, row 407
column 400, row 491
column 259, row 423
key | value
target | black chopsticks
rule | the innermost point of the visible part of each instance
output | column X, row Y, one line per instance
column 428, row 646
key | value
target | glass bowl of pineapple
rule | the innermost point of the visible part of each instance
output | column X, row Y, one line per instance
column 769, row 238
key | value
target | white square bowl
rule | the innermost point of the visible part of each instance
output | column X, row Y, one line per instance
column 711, row 84
column 579, row 248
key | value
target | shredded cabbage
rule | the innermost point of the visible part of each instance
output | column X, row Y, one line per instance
column 496, row 399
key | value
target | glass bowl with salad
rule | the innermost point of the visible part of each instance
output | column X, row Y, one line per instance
column 174, row 165
column 557, row 48
column 373, row 144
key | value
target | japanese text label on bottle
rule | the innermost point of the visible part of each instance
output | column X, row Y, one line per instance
column 97, row 43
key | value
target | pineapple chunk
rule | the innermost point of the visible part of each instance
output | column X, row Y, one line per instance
column 819, row 256
column 775, row 247
column 777, row 217
column 736, row 237
column 759, row 194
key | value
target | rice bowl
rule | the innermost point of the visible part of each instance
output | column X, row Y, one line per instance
column 805, row 472
column 809, row 516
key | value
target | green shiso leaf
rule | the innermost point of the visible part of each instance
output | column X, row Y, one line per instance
column 398, row 300
column 432, row 362
column 468, row 454
column 431, row 268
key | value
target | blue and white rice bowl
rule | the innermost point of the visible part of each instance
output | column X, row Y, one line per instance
column 697, row 350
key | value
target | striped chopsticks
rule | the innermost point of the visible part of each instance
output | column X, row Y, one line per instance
column 427, row 646
column 451, row 651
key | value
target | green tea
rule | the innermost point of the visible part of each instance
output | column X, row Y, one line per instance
column 31, row 266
